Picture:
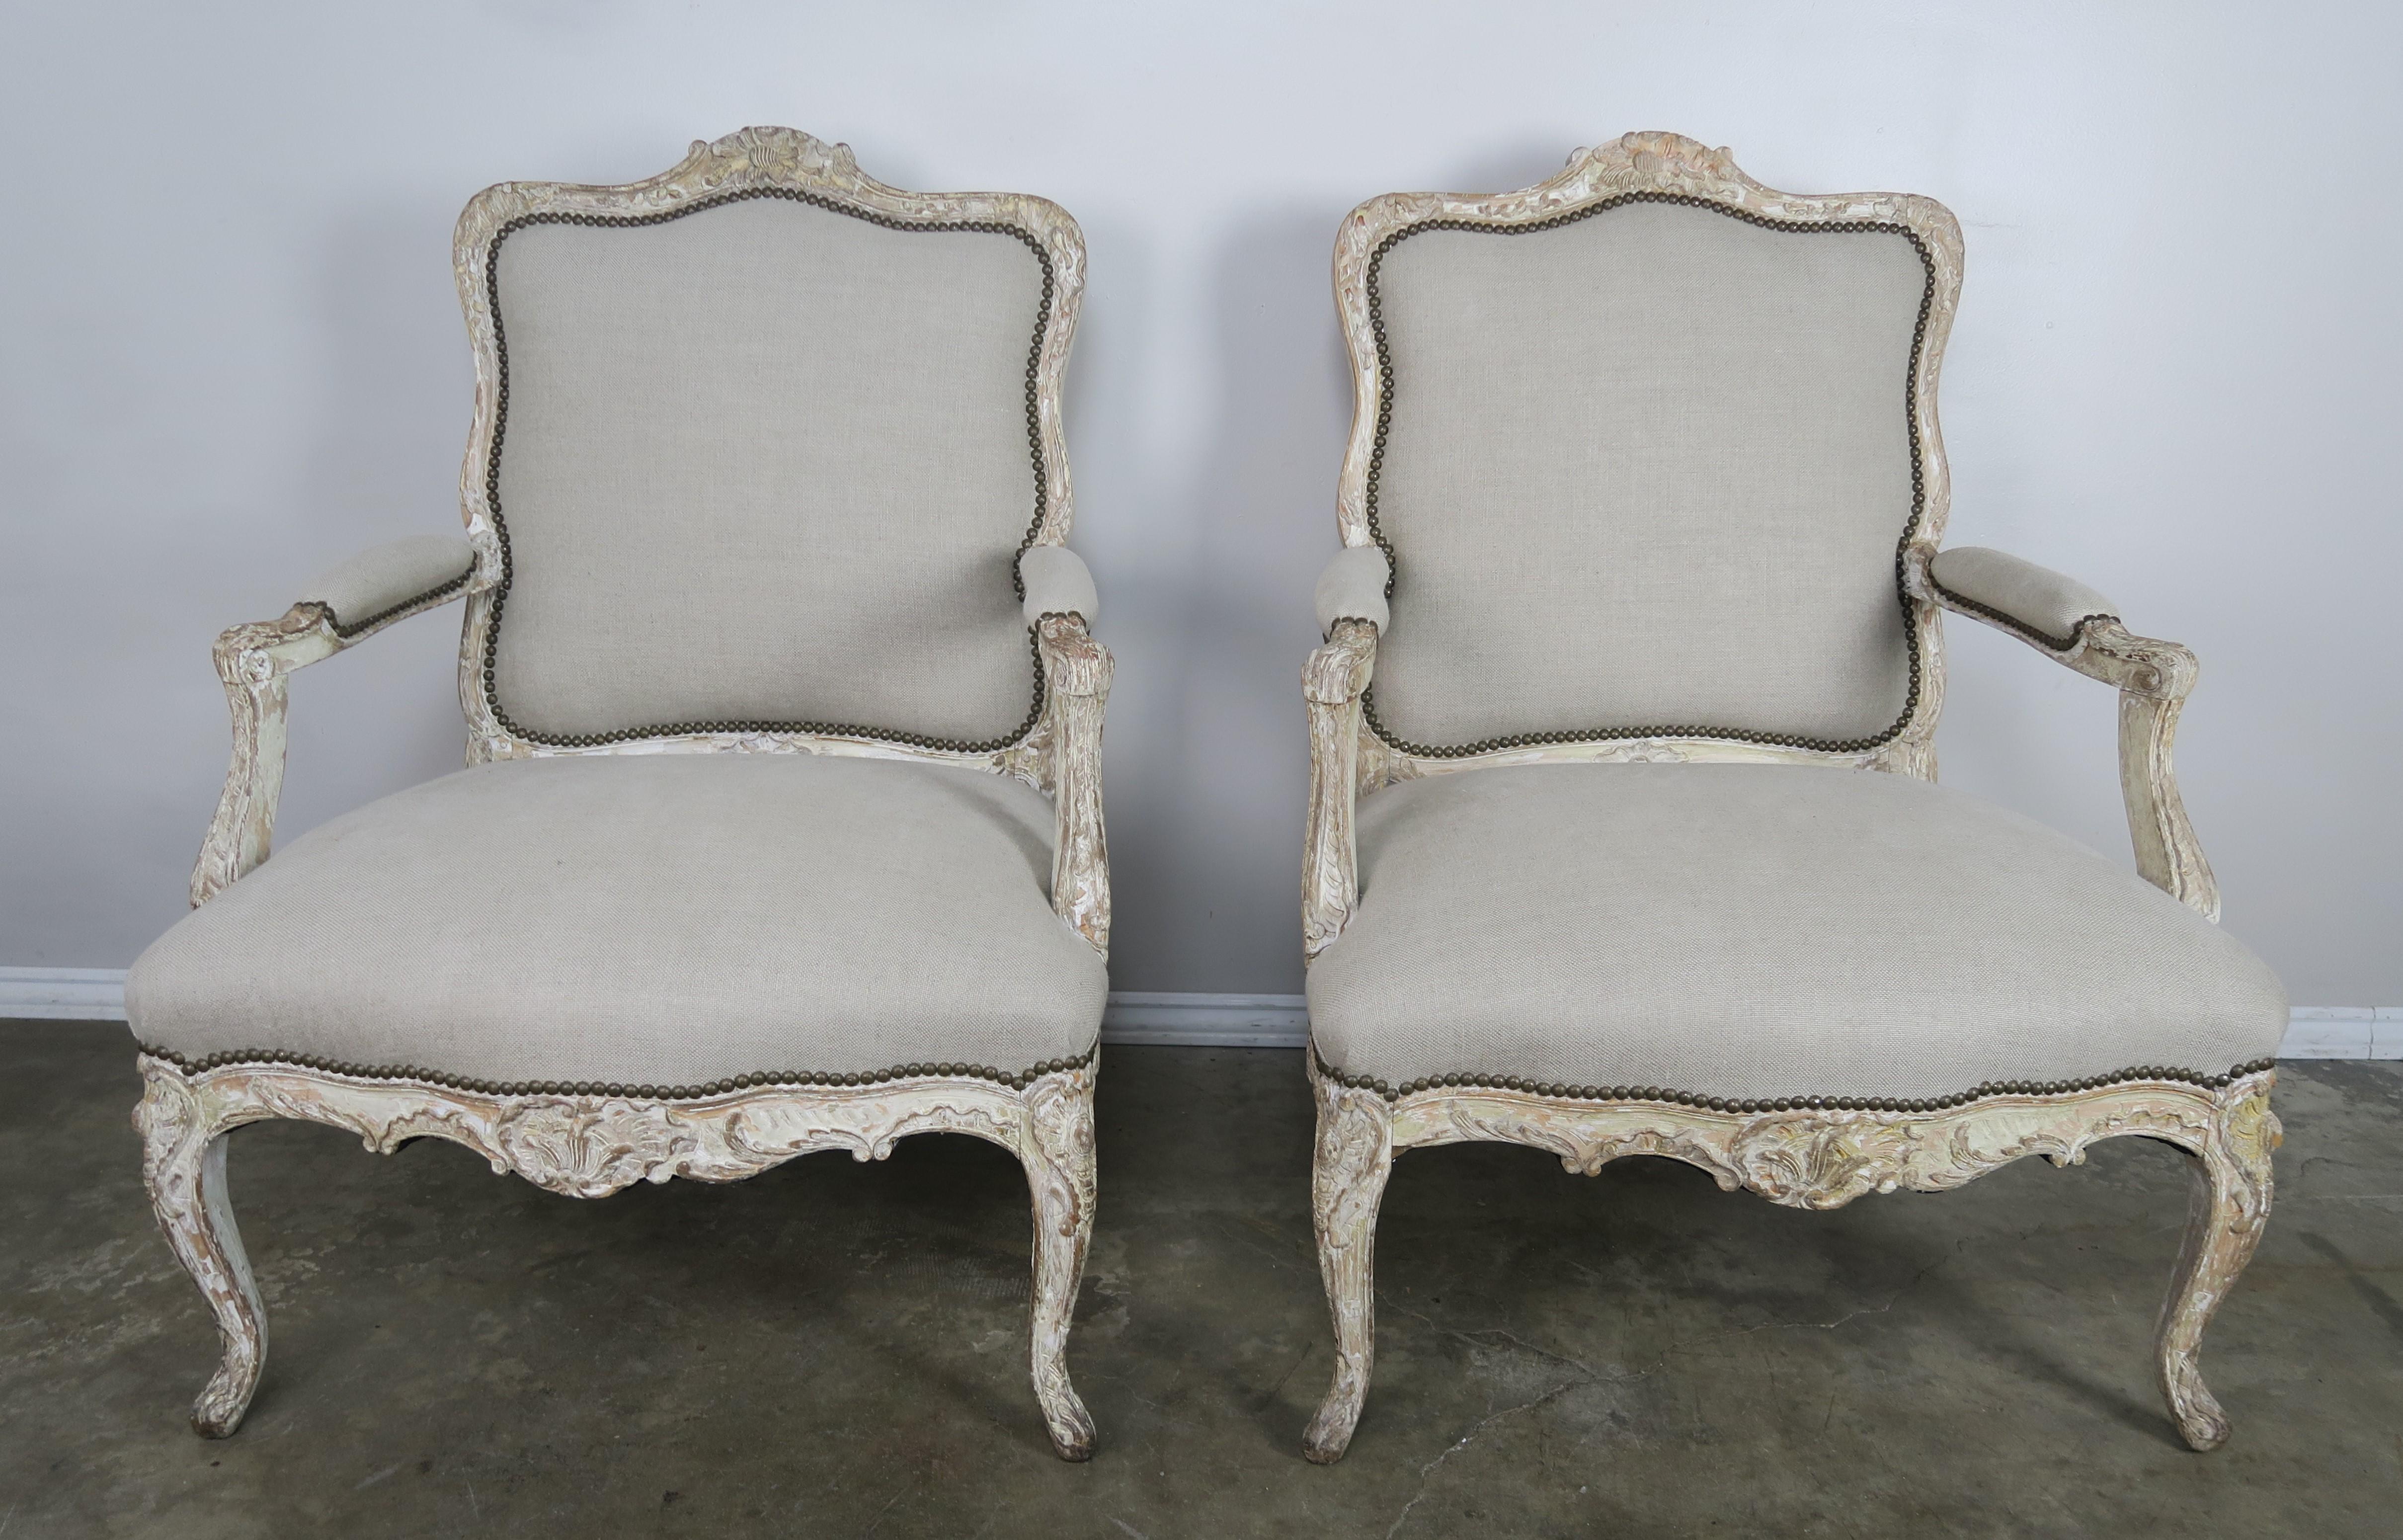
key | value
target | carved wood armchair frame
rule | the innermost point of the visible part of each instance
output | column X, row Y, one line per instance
column 1802, row 1151
column 587, row 1140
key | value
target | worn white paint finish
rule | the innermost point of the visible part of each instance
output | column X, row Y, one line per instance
column 1803, row 1158
column 1808, row 1159
column 591, row 1145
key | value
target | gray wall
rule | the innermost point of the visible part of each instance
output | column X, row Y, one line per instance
column 231, row 354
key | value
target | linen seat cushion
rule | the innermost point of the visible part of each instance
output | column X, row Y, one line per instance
column 1761, row 931
column 662, row 920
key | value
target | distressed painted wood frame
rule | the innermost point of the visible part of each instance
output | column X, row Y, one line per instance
column 1808, row 1157
column 596, row 1140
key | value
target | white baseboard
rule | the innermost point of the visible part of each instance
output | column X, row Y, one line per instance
column 71, row 994
column 2343, row 1032
column 1206, row 1020
column 1138, row 1020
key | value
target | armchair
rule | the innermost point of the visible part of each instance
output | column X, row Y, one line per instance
column 771, row 840
column 1624, row 836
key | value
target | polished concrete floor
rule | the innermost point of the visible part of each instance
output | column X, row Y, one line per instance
column 836, row 1349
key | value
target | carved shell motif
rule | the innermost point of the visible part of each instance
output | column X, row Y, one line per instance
column 588, row 1150
column 1809, row 1162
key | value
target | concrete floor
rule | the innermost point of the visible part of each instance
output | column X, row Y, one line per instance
column 835, row 1349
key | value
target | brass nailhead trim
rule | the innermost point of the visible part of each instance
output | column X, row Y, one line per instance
column 1782, row 1103
column 249, row 1058
column 2013, row 623
column 380, row 616
column 500, row 424
column 1909, row 528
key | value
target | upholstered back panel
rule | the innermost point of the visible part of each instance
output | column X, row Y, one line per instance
column 764, row 462
column 1645, row 469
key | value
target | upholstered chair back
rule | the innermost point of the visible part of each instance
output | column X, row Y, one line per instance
column 765, row 461
column 1645, row 467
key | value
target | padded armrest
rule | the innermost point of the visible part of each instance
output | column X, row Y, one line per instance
column 379, row 583
column 1352, row 587
column 1058, row 582
column 2036, row 602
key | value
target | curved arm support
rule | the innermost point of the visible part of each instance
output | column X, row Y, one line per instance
column 252, row 662
column 2153, row 678
column 1076, row 687
column 1331, row 685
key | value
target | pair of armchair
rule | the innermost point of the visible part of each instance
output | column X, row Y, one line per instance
column 772, row 841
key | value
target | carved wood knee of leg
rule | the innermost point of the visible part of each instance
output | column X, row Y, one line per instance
column 184, row 1166
column 2229, row 1208
column 1354, row 1156
column 1061, row 1174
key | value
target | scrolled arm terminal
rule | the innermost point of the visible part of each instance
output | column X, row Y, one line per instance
column 2078, row 628
column 337, row 610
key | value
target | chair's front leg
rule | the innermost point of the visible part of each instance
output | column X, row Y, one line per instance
column 1057, row 1154
column 184, row 1166
column 1076, row 680
column 2228, row 1209
column 1354, row 1156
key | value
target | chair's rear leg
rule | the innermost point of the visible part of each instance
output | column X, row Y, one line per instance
column 2228, row 1209
column 185, row 1168
column 1354, row 1156
column 1058, row 1155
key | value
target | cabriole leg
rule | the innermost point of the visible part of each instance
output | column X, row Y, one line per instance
column 2229, row 1207
column 1060, row 1172
column 1354, row 1156
column 184, row 1165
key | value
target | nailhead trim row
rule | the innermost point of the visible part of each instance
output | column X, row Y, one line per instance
column 346, row 633
column 1909, row 528
column 2012, row 623
column 500, row 426
column 1017, row 1080
column 1784, row 1103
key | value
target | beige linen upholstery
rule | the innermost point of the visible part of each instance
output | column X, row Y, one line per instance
column 376, row 582
column 1762, row 931
column 1648, row 469
column 1058, row 582
column 1352, row 587
column 664, row 919
column 2035, row 602
column 765, row 461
